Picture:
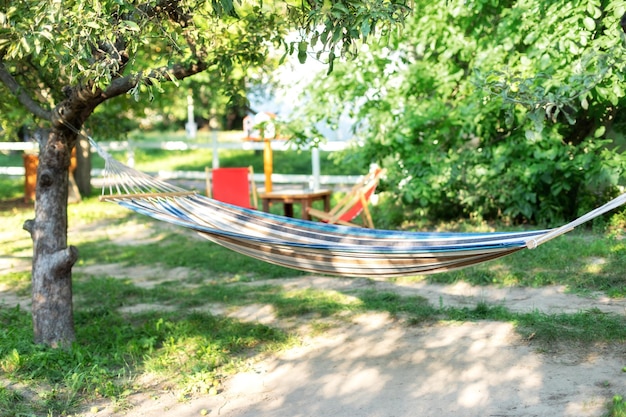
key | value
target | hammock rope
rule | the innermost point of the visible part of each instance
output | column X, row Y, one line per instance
column 314, row 246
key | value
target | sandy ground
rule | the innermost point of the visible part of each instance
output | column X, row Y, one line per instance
column 378, row 366
column 375, row 365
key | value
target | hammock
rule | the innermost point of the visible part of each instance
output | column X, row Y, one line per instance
column 314, row 246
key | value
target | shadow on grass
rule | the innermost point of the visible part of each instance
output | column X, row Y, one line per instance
column 177, row 340
column 190, row 349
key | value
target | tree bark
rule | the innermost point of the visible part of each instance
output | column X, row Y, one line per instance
column 52, row 309
column 82, row 175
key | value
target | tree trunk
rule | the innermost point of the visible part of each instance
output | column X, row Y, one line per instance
column 52, row 311
column 82, row 175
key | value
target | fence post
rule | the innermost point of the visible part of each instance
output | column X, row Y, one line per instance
column 191, row 127
column 315, row 162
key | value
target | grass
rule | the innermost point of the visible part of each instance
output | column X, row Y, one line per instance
column 11, row 159
column 111, row 350
column 285, row 162
column 11, row 189
column 617, row 407
column 186, row 349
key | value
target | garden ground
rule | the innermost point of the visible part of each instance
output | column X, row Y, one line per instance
column 374, row 364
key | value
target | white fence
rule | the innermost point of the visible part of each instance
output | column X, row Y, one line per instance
column 312, row 181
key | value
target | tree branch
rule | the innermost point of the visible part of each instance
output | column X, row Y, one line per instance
column 82, row 100
column 123, row 85
column 14, row 87
column 63, row 260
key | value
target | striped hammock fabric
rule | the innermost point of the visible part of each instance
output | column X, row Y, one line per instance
column 314, row 246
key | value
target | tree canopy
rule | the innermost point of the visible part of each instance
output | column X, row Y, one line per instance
column 98, row 50
column 491, row 109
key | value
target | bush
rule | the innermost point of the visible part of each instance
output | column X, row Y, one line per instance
column 490, row 110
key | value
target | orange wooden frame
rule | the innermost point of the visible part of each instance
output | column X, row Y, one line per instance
column 353, row 204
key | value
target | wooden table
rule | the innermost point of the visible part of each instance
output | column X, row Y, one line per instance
column 290, row 197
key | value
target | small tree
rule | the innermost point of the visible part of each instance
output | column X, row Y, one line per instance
column 59, row 61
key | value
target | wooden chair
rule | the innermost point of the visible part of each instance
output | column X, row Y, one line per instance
column 353, row 204
column 232, row 185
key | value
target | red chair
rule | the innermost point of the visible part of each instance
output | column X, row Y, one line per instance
column 353, row 204
column 232, row 185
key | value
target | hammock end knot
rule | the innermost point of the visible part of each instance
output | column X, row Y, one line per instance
column 532, row 244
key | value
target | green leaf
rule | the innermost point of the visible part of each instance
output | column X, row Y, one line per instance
column 337, row 33
column 589, row 23
column 283, row 58
column 25, row 45
column 130, row 25
column 365, row 28
column 340, row 8
column 331, row 62
column 173, row 78
column 46, row 34
column 155, row 82
column 538, row 119
column 37, row 45
column 302, row 47
column 593, row 10
column 324, row 35
column 4, row 43
column 584, row 103
column 599, row 132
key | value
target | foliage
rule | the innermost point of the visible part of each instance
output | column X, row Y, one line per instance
column 48, row 46
column 491, row 109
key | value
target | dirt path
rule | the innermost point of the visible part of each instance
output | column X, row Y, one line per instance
column 377, row 366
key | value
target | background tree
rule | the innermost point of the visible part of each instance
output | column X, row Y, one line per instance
column 491, row 109
column 60, row 61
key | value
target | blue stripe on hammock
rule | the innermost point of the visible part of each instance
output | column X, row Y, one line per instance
column 319, row 227
column 415, row 240
column 315, row 229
